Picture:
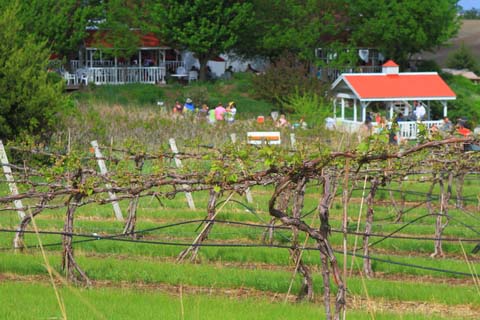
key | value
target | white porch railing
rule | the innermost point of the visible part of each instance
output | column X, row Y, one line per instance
column 123, row 75
column 407, row 129
column 173, row 65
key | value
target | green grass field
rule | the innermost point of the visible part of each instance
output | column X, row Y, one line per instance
column 145, row 274
column 237, row 275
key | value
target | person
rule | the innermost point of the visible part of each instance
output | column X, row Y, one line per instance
column 228, row 73
column 282, row 121
column 300, row 124
column 446, row 125
column 419, row 111
column 219, row 112
column 369, row 117
column 189, row 106
column 231, row 112
column 177, row 108
column 365, row 129
column 203, row 112
column 461, row 129
column 399, row 117
column 330, row 123
column 303, row 123
column 378, row 118
column 211, row 116
column 382, row 125
column 394, row 128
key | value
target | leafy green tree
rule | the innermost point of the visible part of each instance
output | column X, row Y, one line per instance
column 29, row 96
column 204, row 27
column 61, row 23
column 400, row 28
column 293, row 26
column 463, row 58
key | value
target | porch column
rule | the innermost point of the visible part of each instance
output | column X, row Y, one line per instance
column 115, row 70
column 343, row 108
column 140, row 58
column 364, row 111
column 428, row 111
column 444, row 103
column 355, row 110
column 335, row 108
column 391, row 110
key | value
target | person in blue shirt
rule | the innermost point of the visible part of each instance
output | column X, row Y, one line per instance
column 189, row 106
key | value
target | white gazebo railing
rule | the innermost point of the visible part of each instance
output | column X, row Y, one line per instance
column 408, row 129
column 123, row 75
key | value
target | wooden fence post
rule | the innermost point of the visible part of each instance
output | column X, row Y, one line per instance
column 103, row 171
column 11, row 182
column 178, row 163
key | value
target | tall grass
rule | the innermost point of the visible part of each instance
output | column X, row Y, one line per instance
column 128, row 303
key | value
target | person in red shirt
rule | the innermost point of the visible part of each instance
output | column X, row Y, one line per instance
column 461, row 129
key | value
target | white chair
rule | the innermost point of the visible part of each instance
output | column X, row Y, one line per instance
column 70, row 78
column 192, row 75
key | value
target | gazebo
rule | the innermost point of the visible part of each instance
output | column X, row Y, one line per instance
column 398, row 92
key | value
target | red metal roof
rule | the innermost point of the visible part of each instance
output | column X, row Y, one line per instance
column 96, row 38
column 401, row 86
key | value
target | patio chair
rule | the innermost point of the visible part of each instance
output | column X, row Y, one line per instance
column 192, row 76
column 70, row 78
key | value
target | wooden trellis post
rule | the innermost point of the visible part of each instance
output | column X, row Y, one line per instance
column 103, row 171
column 293, row 141
column 178, row 163
column 11, row 182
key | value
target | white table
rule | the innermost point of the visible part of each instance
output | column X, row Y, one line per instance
column 182, row 77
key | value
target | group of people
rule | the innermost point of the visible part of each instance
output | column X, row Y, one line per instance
column 212, row 115
column 447, row 127
column 282, row 122
column 382, row 126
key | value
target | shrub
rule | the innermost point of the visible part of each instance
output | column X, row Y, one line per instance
column 284, row 78
column 463, row 58
column 310, row 106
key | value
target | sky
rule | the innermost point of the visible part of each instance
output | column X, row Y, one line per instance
column 469, row 4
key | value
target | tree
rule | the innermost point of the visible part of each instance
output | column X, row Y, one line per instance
column 204, row 27
column 29, row 97
column 463, row 58
column 61, row 23
column 471, row 14
column 121, row 26
column 297, row 27
column 400, row 28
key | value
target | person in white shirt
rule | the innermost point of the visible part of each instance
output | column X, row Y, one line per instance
column 420, row 111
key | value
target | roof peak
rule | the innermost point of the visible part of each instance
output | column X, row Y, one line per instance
column 390, row 63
